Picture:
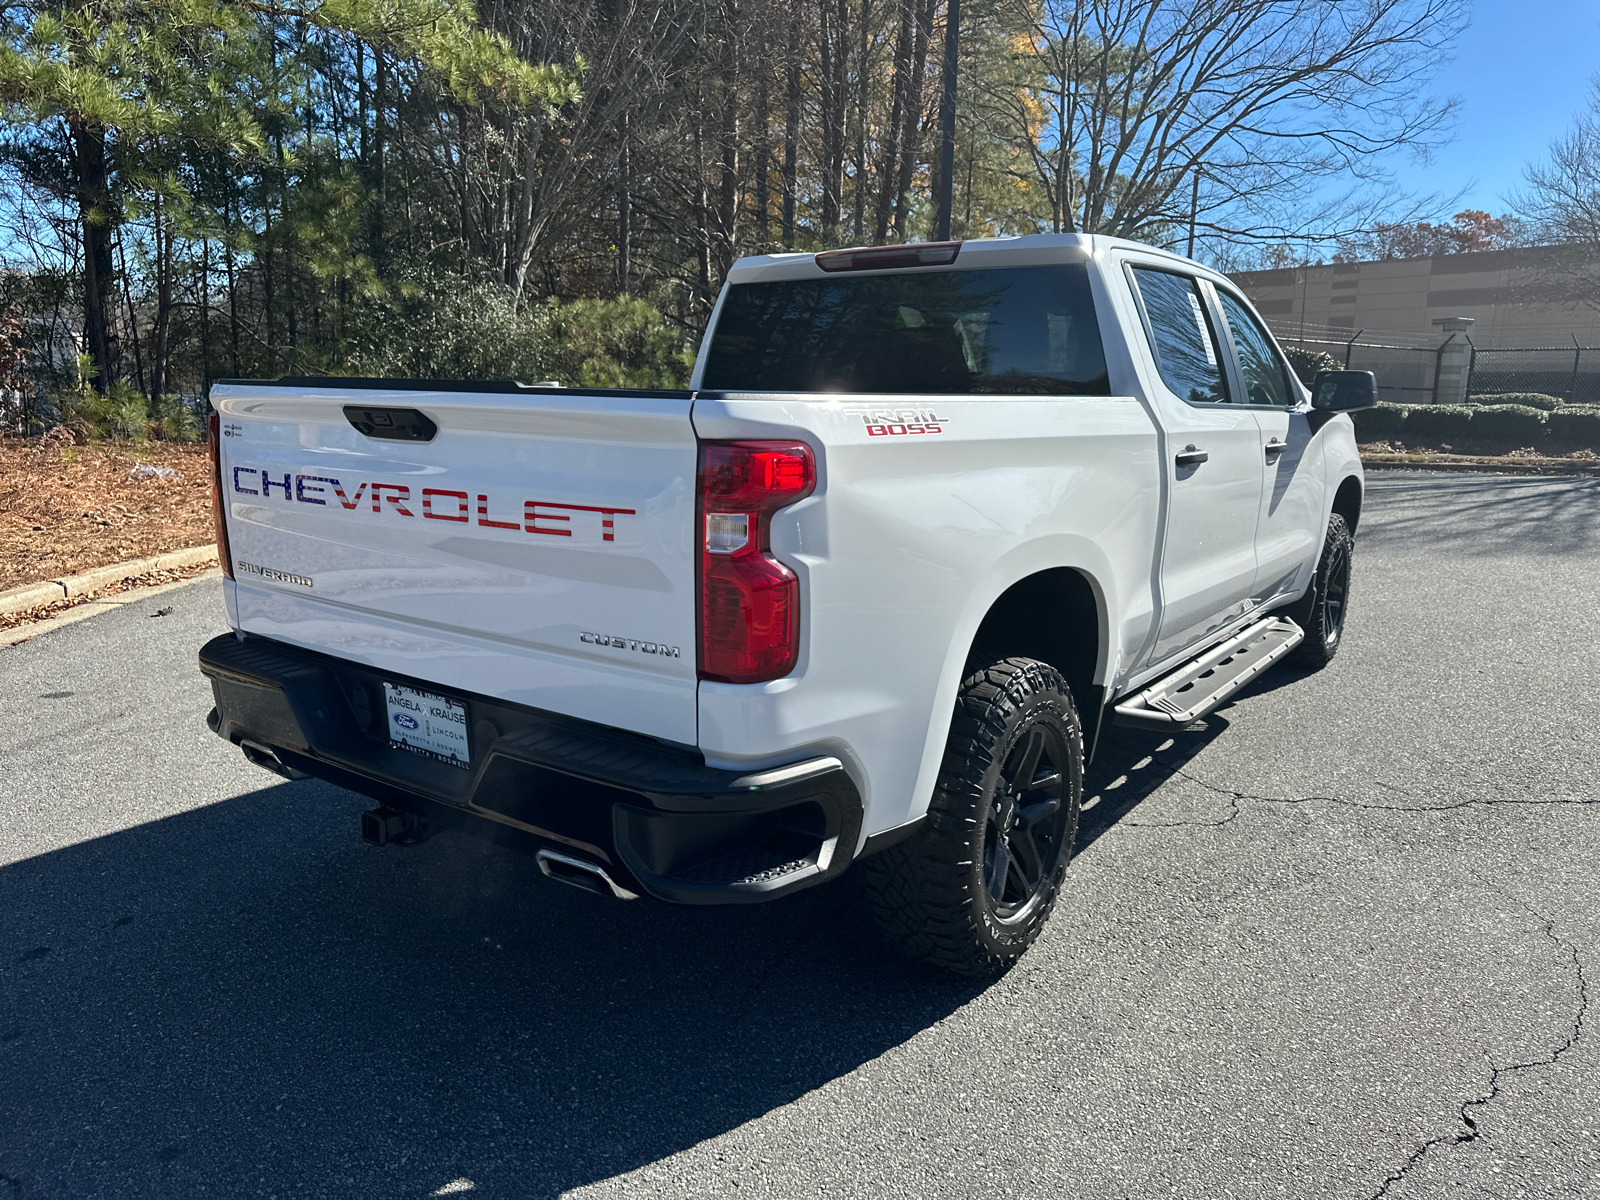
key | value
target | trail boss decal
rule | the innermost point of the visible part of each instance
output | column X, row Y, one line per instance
column 899, row 422
column 435, row 504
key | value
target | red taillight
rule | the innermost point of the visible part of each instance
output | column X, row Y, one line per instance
column 749, row 601
column 214, row 436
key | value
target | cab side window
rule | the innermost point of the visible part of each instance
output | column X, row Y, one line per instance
column 1185, row 344
column 1265, row 377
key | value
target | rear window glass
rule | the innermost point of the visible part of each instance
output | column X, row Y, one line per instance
column 1013, row 330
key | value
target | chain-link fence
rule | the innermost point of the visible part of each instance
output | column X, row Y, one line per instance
column 1570, row 373
column 1407, row 365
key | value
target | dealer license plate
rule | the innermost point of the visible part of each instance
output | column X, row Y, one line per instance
column 427, row 724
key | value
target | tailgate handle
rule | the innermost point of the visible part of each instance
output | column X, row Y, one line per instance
column 392, row 424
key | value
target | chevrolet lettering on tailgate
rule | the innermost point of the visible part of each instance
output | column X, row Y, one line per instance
column 437, row 504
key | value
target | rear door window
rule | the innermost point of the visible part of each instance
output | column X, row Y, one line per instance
column 1185, row 344
column 1266, row 379
column 996, row 331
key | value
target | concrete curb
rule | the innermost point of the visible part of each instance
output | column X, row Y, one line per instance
column 91, row 608
column 1537, row 469
column 34, row 594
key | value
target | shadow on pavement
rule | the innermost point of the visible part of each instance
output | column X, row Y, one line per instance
column 245, row 999
column 1124, row 772
column 1480, row 516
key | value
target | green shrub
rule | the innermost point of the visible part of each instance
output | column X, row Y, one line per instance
column 1376, row 424
column 120, row 414
column 1505, row 427
column 172, row 420
column 622, row 343
column 1575, row 427
column 444, row 328
column 1438, row 424
column 1307, row 363
column 1525, row 399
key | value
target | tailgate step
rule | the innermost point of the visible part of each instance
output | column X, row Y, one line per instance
column 1202, row 684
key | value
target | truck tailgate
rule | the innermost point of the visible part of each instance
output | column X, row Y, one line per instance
column 538, row 548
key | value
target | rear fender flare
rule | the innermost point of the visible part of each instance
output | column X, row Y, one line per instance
column 1064, row 551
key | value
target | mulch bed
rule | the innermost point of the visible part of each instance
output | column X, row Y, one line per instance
column 66, row 508
column 1527, row 461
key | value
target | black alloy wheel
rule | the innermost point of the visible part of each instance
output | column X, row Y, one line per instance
column 973, row 888
column 1335, row 590
column 1322, row 611
column 1023, row 835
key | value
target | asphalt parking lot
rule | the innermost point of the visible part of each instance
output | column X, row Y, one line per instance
column 1342, row 943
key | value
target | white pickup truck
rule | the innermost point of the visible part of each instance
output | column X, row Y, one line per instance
column 926, row 518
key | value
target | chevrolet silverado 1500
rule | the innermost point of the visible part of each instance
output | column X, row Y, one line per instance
column 926, row 518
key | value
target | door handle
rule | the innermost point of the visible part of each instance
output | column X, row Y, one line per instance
column 1275, row 447
column 1191, row 456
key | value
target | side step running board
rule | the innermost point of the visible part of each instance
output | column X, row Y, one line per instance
column 1200, row 686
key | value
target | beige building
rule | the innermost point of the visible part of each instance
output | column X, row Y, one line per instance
column 1402, row 301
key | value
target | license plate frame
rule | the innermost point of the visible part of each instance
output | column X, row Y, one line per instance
column 427, row 723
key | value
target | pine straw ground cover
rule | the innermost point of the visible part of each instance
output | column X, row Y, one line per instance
column 66, row 508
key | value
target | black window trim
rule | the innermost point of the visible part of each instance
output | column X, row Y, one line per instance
column 1230, row 382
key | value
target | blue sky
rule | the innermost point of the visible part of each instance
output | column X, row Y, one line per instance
column 1522, row 70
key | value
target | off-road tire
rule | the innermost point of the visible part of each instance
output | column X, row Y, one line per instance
column 1322, row 610
column 930, row 894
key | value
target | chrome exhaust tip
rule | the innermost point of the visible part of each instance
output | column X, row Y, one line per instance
column 591, row 877
column 266, row 757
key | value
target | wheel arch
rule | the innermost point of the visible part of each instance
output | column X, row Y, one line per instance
column 1058, row 616
column 1347, row 501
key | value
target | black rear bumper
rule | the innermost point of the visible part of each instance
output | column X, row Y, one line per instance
column 654, row 816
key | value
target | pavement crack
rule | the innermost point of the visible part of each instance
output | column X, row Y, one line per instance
column 1236, row 798
column 1233, row 811
column 1470, row 1109
column 1470, row 1131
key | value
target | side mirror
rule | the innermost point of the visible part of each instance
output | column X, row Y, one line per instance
column 1344, row 391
